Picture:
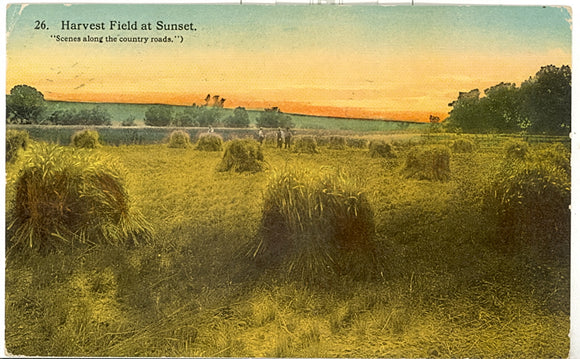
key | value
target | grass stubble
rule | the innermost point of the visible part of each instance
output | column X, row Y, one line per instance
column 444, row 289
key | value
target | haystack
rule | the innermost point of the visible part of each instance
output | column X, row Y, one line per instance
column 179, row 139
column 305, row 144
column 428, row 163
column 85, row 139
column 209, row 142
column 242, row 155
column 66, row 196
column 316, row 226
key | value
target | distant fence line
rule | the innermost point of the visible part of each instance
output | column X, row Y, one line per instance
column 498, row 137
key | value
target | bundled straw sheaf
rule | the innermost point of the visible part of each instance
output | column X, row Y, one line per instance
column 179, row 139
column 66, row 196
column 16, row 141
column 337, row 142
column 463, row 145
column 209, row 142
column 380, row 148
column 516, row 150
column 305, row 144
column 316, row 226
column 242, row 155
column 530, row 195
column 428, row 163
column 356, row 142
column 85, row 139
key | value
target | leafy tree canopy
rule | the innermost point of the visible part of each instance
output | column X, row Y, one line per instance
column 158, row 115
column 240, row 118
column 273, row 117
column 547, row 100
column 541, row 105
column 25, row 104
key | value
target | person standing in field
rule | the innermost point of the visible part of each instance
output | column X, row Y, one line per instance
column 287, row 138
column 279, row 137
column 261, row 136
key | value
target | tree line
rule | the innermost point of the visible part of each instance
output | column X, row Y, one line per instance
column 541, row 105
column 26, row 105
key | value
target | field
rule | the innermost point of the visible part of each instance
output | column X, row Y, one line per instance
column 443, row 286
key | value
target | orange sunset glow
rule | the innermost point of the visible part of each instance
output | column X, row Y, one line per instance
column 392, row 63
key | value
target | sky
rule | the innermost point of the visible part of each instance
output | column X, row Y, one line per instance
column 387, row 62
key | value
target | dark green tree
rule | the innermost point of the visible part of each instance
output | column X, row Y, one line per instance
column 158, row 115
column 466, row 113
column 97, row 116
column 273, row 117
column 63, row 117
column 240, row 118
column 501, row 109
column 129, row 121
column 547, row 100
column 208, row 116
column 187, row 118
column 25, row 104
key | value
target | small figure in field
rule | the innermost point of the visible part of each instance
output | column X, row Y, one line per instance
column 261, row 136
column 279, row 138
column 210, row 129
column 287, row 138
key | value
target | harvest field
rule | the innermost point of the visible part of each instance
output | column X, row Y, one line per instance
column 472, row 263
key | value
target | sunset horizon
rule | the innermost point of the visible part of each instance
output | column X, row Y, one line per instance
column 392, row 63
column 290, row 107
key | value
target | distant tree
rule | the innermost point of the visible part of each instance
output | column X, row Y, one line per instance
column 547, row 100
column 129, row 121
column 273, row 117
column 158, row 115
column 187, row 118
column 63, row 117
column 97, row 116
column 434, row 124
column 208, row 116
column 240, row 118
column 25, row 104
column 434, row 119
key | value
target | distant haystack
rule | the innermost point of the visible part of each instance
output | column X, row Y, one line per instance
column 242, row 155
column 428, row 163
column 85, row 139
column 209, row 142
column 380, row 148
column 305, row 144
column 179, row 139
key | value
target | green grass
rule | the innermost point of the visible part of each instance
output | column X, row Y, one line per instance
column 445, row 290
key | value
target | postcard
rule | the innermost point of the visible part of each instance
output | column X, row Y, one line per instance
column 204, row 180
